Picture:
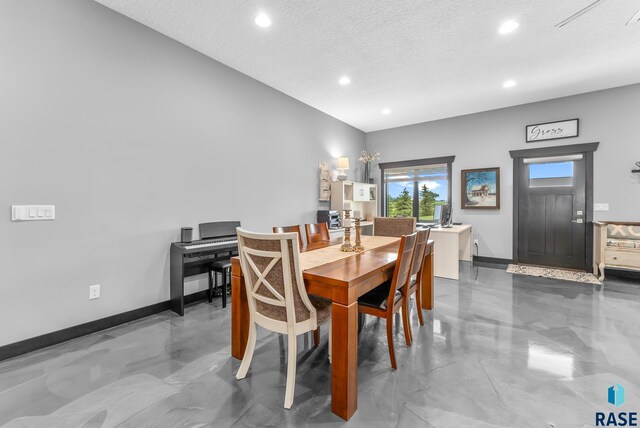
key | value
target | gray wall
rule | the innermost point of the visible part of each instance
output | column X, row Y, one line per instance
column 481, row 140
column 132, row 135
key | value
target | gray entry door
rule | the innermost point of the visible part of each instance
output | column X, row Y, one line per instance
column 551, row 211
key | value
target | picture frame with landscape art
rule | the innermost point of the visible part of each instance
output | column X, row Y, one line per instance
column 481, row 189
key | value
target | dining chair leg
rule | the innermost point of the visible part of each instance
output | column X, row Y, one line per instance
column 291, row 371
column 361, row 322
column 419, row 304
column 392, row 353
column 248, row 352
column 316, row 336
column 405, row 322
column 329, row 322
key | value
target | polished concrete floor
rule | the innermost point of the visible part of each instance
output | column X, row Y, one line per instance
column 498, row 351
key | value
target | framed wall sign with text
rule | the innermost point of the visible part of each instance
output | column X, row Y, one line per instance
column 552, row 130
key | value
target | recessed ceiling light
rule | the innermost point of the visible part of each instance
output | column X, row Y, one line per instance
column 508, row 27
column 385, row 111
column 509, row 84
column 263, row 20
column 344, row 80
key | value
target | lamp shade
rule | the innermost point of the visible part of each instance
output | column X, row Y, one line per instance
column 343, row 163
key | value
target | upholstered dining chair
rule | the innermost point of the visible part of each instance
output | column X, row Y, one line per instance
column 284, row 229
column 317, row 232
column 296, row 229
column 387, row 299
column 417, row 264
column 277, row 297
column 393, row 226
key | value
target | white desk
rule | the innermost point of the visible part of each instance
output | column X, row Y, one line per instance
column 450, row 245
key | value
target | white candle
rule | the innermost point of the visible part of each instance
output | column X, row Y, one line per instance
column 347, row 222
column 346, row 206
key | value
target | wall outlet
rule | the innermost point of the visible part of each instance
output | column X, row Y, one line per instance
column 601, row 207
column 475, row 242
column 94, row 291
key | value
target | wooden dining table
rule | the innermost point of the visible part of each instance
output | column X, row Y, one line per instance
column 342, row 281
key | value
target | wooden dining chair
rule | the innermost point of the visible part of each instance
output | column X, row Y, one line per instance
column 277, row 297
column 415, row 285
column 296, row 229
column 387, row 299
column 317, row 232
column 284, row 229
column 393, row 226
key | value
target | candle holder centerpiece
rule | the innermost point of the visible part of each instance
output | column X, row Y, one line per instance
column 358, row 245
column 346, row 243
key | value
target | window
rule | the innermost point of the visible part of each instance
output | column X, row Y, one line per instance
column 414, row 188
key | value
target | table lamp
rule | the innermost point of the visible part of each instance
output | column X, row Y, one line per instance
column 343, row 163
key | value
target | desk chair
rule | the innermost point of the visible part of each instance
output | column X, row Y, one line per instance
column 277, row 297
column 393, row 226
column 317, row 232
column 415, row 285
column 387, row 299
column 284, row 229
column 222, row 266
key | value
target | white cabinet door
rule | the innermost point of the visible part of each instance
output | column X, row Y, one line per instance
column 364, row 192
column 373, row 192
column 360, row 192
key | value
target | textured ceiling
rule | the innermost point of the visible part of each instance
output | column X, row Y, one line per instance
column 423, row 59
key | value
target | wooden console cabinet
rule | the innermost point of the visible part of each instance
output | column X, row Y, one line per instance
column 616, row 245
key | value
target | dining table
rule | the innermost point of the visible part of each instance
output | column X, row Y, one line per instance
column 341, row 277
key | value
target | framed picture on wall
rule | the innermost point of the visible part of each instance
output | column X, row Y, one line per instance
column 481, row 189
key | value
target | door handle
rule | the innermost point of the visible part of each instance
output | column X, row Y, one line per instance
column 579, row 221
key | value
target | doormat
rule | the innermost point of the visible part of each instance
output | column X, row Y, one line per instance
column 561, row 274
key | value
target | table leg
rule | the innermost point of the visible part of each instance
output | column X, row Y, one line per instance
column 344, row 359
column 427, row 282
column 239, row 314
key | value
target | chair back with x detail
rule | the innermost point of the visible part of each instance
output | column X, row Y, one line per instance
column 276, row 295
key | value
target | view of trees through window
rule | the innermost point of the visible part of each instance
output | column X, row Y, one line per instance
column 415, row 191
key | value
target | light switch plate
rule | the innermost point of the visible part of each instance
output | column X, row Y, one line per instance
column 17, row 212
column 601, row 207
column 33, row 212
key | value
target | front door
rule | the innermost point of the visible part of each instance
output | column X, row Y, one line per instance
column 551, row 212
